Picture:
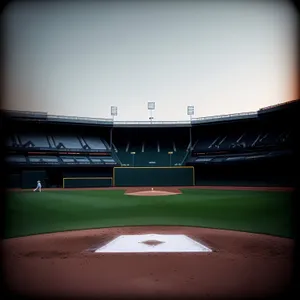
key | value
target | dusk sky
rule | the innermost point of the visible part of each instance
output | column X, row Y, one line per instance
column 78, row 58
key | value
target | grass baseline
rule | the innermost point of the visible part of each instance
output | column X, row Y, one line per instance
column 29, row 213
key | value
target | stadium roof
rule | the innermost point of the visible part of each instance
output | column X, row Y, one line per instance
column 43, row 116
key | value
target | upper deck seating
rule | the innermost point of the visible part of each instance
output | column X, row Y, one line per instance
column 205, row 144
column 248, row 138
column 108, row 160
column 34, row 140
column 82, row 160
column 11, row 142
column 67, row 141
column 96, row 160
column 95, row 143
column 15, row 159
column 268, row 139
column 68, row 159
column 228, row 141
column 225, row 141
column 43, row 159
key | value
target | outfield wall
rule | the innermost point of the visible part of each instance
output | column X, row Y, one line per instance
column 87, row 178
column 87, row 182
column 76, row 177
column 253, row 173
column 29, row 178
column 276, row 172
column 14, row 181
column 153, row 176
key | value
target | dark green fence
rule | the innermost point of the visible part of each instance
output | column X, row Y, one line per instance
column 87, row 182
column 156, row 176
column 14, row 181
column 30, row 177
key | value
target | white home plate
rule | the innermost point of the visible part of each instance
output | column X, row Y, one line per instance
column 153, row 243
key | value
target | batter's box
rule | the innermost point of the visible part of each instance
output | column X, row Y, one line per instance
column 138, row 243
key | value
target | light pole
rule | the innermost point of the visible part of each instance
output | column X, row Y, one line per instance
column 190, row 112
column 170, row 153
column 113, row 113
column 151, row 107
column 133, row 153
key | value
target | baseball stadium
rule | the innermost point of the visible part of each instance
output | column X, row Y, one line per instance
column 149, row 149
column 155, row 207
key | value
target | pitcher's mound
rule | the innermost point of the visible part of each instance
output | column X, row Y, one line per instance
column 152, row 193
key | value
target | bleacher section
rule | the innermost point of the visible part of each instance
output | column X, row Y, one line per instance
column 240, row 144
column 151, row 146
column 228, row 141
column 247, row 140
column 55, row 143
column 66, row 142
column 268, row 139
column 43, row 159
column 108, row 161
column 149, row 150
column 96, row 160
column 75, row 160
column 33, row 140
column 133, row 146
column 59, row 160
column 151, row 153
column 205, row 143
column 39, row 141
column 16, row 159
column 94, row 143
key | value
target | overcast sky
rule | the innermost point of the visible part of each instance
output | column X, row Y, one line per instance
column 79, row 58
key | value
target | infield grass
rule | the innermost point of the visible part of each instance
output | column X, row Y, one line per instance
column 29, row 213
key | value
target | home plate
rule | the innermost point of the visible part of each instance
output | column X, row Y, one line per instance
column 152, row 243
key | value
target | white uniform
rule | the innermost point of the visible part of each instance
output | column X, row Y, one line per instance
column 38, row 187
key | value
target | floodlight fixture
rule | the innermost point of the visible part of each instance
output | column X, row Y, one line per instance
column 151, row 107
column 113, row 111
column 190, row 111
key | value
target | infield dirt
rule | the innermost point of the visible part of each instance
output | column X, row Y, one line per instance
column 64, row 265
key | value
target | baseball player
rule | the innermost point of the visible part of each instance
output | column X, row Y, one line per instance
column 38, row 187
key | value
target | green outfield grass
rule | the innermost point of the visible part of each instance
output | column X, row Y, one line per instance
column 29, row 213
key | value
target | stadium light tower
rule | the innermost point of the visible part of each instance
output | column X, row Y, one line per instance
column 190, row 112
column 151, row 107
column 113, row 113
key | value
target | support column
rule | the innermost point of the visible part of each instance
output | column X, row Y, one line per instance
column 111, row 138
column 191, row 138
